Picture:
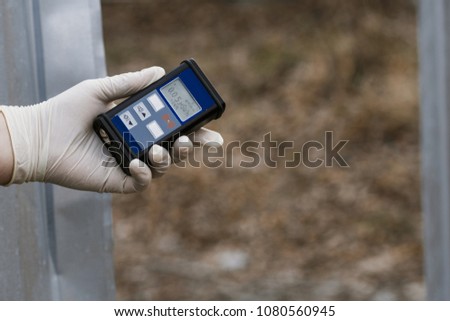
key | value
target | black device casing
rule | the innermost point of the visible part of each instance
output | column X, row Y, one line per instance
column 120, row 150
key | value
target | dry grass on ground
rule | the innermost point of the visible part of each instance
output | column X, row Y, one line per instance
column 295, row 69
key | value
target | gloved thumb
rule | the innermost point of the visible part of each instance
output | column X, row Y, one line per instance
column 119, row 86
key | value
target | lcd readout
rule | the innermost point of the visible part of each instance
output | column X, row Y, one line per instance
column 180, row 99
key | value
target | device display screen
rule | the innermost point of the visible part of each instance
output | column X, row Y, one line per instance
column 180, row 99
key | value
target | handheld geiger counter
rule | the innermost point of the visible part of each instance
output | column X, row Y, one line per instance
column 177, row 104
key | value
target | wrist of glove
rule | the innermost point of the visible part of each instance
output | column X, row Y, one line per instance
column 54, row 141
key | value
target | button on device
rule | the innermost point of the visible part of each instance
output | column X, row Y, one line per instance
column 156, row 102
column 154, row 129
column 141, row 111
column 170, row 123
column 128, row 120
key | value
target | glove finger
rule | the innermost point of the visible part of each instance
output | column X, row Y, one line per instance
column 159, row 160
column 208, row 137
column 119, row 86
column 111, row 105
column 181, row 149
column 140, row 177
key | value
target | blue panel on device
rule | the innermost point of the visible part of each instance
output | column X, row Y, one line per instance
column 162, row 111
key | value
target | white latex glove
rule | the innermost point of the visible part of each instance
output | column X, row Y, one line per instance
column 54, row 141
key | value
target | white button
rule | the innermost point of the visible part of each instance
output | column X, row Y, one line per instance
column 156, row 102
column 154, row 129
column 141, row 111
column 128, row 119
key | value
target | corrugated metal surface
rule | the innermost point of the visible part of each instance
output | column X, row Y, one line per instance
column 55, row 243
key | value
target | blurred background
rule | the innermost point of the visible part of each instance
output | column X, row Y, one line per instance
column 295, row 69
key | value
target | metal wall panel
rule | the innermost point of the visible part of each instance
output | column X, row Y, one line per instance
column 24, row 256
column 434, row 36
column 73, row 51
column 55, row 243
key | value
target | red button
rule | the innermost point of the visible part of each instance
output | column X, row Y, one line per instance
column 170, row 123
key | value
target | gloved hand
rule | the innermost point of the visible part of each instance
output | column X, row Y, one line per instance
column 54, row 141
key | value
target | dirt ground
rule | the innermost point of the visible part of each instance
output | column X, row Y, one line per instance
column 296, row 69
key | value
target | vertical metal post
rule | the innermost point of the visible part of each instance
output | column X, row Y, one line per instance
column 55, row 243
column 434, row 39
